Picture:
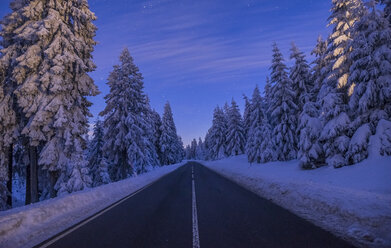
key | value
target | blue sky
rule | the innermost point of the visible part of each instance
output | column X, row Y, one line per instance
column 200, row 54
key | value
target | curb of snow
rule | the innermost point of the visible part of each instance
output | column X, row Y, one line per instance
column 30, row 225
column 362, row 218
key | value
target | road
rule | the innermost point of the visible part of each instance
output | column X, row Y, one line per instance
column 195, row 207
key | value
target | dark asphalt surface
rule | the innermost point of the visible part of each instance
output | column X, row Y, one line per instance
column 228, row 216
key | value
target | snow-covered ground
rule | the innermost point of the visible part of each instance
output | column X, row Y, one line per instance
column 353, row 202
column 29, row 225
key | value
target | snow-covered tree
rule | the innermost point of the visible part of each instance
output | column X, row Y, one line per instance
column 371, row 80
column 235, row 131
column 256, row 122
column 200, row 150
column 128, row 122
column 246, row 117
column 156, row 132
column 283, row 109
column 97, row 163
column 216, row 137
column 319, row 66
column 170, row 146
column 387, row 10
column 310, row 152
column 300, row 77
column 334, row 92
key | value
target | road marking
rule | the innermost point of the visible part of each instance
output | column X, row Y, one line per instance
column 196, row 237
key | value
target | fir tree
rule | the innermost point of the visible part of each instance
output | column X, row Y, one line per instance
column 97, row 163
column 319, row 71
column 200, row 150
column 300, row 77
column 235, row 131
column 334, row 92
column 170, row 147
column 128, row 121
column 246, row 117
column 283, row 109
column 371, row 80
column 256, row 121
column 216, row 137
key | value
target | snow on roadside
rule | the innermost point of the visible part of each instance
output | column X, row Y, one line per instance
column 353, row 202
column 29, row 225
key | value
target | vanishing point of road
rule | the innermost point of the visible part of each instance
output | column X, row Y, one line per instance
column 195, row 207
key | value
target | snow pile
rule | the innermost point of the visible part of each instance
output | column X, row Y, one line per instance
column 352, row 202
column 29, row 225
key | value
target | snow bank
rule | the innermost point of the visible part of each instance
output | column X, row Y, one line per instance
column 353, row 202
column 29, row 225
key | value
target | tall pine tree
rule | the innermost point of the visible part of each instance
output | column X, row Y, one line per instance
column 235, row 131
column 283, row 109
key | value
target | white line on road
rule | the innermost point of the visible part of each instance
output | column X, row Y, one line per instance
column 196, row 237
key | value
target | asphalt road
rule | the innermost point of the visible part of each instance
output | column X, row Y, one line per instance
column 195, row 207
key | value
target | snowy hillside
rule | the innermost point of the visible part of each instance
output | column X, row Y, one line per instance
column 352, row 202
column 29, row 225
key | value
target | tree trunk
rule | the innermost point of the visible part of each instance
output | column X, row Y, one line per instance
column 53, row 180
column 28, row 185
column 34, row 173
column 9, row 182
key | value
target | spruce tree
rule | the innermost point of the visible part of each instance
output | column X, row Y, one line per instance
column 128, row 122
column 235, row 132
column 246, row 117
column 216, row 137
column 170, row 144
column 256, row 122
column 97, row 162
column 319, row 66
column 300, row 77
column 283, row 109
column 334, row 92
column 371, row 77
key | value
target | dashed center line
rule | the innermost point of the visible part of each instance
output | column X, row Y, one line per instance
column 196, row 237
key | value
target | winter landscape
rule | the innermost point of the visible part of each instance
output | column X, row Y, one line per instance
column 168, row 123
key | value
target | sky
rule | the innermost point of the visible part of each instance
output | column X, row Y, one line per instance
column 198, row 54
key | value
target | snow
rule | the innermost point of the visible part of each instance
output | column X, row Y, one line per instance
column 353, row 202
column 29, row 225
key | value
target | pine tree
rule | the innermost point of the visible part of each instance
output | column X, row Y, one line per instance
column 98, row 166
column 128, row 122
column 300, row 77
column 156, row 124
column 283, row 109
column 170, row 147
column 193, row 148
column 235, row 132
column 319, row 71
column 200, row 150
column 371, row 78
column 256, row 121
column 387, row 10
column 334, row 92
column 216, row 137
column 246, row 117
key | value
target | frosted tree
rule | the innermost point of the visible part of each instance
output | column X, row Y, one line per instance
column 246, row 117
column 283, row 109
column 128, row 122
column 52, row 49
column 300, row 77
column 255, row 134
column 371, row 77
column 235, row 131
column 216, row 137
column 170, row 147
column 335, row 90
column 156, row 124
column 97, row 162
column 319, row 66
column 200, row 150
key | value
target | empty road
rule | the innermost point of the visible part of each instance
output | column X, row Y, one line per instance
column 195, row 207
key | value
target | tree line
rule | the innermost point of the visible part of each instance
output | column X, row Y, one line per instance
column 322, row 113
column 45, row 61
